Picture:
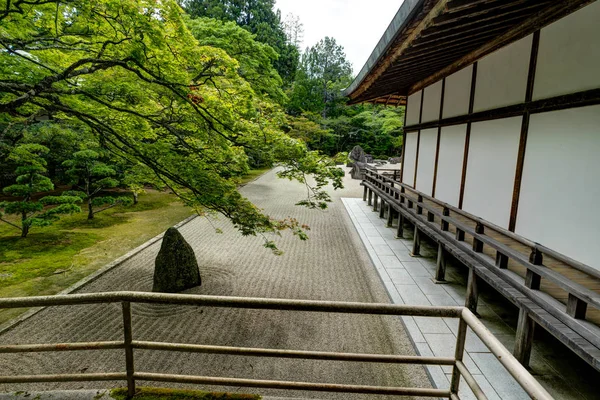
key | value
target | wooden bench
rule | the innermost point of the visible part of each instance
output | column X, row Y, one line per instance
column 496, row 256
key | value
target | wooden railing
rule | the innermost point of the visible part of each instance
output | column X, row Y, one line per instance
column 440, row 217
column 132, row 375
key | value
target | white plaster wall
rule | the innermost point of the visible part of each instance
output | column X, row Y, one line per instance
column 561, row 183
column 450, row 162
column 457, row 93
column 493, row 148
column 413, row 108
column 432, row 102
column 410, row 157
column 502, row 76
column 426, row 163
column 569, row 54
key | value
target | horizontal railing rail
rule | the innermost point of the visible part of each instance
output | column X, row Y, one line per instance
column 466, row 319
column 579, row 295
column 522, row 240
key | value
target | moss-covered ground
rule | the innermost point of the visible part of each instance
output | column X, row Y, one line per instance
column 52, row 258
column 176, row 394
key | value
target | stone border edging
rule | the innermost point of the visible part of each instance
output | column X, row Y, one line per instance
column 8, row 325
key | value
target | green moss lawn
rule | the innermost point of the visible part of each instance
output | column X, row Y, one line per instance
column 52, row 258
column 174, row 394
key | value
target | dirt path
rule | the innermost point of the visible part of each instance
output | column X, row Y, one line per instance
column 332, row 265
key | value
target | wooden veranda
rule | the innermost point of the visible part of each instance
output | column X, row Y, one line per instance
column 551, row 290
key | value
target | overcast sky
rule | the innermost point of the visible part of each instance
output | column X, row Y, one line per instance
column 355, row 24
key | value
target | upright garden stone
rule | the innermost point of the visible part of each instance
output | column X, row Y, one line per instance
column 175, row 268
column 357, row 154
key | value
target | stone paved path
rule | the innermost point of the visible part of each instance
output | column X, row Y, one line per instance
column 409, row 280
column 332, row 265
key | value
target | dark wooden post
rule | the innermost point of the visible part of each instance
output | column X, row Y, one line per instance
column 416, row 249
column 402, row 191
column 128, row 338
column 382, row 208
column 390, row 217
column 365, row 194
column 375, row 201
column 472, row 292
column 478, row 244
column 440, row 269
column 430, row 216
column 576, row 307
column 444, row 224
column 501, row 260
column 532, row 279
column 370, row 201
column 524, row 338
column 419, row 208
column 460, row 235
column 400, row 231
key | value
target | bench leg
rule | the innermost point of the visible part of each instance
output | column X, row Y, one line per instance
column 416, row 249
column 440, row 270
column 472, row 292
column 400, row 231
column 524, row 339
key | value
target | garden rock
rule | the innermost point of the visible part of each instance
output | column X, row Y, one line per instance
column 357, row 154
column 175, row 267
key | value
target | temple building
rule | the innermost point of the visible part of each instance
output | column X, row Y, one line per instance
column 501, row 155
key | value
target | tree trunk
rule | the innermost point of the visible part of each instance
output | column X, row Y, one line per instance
column 24, row 226
column 135, row 198
column 90, row 209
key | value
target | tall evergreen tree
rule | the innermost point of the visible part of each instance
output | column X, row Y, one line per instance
column 322, row 75
column 259, row 18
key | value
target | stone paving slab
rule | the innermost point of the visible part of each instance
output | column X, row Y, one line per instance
column 409, row 280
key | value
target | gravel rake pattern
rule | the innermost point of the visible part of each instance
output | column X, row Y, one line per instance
column 331, row 265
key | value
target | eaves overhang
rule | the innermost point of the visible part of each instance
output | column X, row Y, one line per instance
column 430, row 39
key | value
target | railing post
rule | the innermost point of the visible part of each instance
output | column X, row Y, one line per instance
column 478, row 244
column 524, row 337
column 370, row 200
column 440, row 269
column 501, row 260
column 461, row 338
column 382, row 209
column 400, row 231
column 402, row 191
column 375, row 201
column 430, row 216
column 419, row 201
column 390, row 217
column 532, row 279
column 576, row 307
column 472, row 296
column 444, row 224
column 128, row 337
column 365, row 194
column 416, row 249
